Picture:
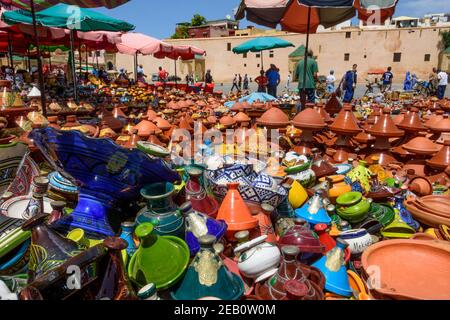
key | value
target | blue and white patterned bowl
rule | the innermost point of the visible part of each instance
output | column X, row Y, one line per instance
column 253, row 188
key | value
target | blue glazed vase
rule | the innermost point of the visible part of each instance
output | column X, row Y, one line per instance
column 161, row 211
column 127, row 235
column 107, row 175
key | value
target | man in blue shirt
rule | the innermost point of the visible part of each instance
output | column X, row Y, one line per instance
column 387, row 79
column 349, row 84
column 273, row 76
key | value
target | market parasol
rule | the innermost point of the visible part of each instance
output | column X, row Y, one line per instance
column 305, row 16
column 64, row 16
column 260, row 44
column 182, row 52
column 137, row 43
column 37, row 5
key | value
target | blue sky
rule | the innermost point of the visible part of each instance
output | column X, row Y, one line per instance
column 157, row 18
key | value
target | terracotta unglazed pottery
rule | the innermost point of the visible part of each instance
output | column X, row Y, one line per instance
column 421, row 145
column 409, row 269
column 345, row 122
column 442, row 159
column 421, row 186
column 274, row 118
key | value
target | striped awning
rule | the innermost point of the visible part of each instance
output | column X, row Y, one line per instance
column 292, row 15
column 44, row 4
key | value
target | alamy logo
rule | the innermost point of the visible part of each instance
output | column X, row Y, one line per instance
column 74, row 278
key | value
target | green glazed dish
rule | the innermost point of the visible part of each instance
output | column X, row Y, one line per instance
column 349, row 198
column 398, row 230
column 352, row 207
column 161, row 260
column 384, row 213
column 297, row 169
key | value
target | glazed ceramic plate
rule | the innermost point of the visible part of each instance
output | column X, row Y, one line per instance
column 410, row 269
column 15, row 207
column 152, row 149
column 343, row 169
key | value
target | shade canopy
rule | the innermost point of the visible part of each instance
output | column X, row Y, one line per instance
column 44, row 4
column 292, row 15
column 180, row 52
column 262, row 43
column 67, row 17
column 138, row 43
column 299, row 52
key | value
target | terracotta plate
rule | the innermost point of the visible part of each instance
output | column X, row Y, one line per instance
column 410, row 269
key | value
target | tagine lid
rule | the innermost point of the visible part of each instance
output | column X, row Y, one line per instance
column 411, row 122
column 345, row 122
column 303, row 238
column 227, row 121
column 274, row 117
column 385, row 126
column 309, row 119
column 162, row 124
column 421, row 145
column 442, row 159
column 242, row 117
column 441, row 125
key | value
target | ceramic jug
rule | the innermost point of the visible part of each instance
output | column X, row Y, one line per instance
column 127, row 235
column 197, row 195
column 161, row 211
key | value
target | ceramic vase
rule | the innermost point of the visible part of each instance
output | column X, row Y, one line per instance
column 197, row 195
column 127, row 231
column 362, row 175
column 161, row 211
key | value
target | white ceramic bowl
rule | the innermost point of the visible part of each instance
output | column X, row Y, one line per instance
column 358, row 240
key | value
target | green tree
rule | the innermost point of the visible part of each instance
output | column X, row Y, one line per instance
column 446, row 39
column 198, row 20
column 181, row 32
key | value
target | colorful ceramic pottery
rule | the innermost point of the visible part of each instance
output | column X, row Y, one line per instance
column 313, row 211
column 352, row 207
column 161, row 260
column 106, row 172
column 358, row 240
column 161, row 211
column 208, row 277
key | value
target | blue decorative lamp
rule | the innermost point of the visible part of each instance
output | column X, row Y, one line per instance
column 313, row 211
column 332, row 265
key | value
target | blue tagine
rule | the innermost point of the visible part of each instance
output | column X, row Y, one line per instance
column 313, row 211
column 106, row 174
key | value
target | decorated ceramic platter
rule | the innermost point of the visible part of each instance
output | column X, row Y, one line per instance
column 16, row 207
column 153, row 149
column 343, row 168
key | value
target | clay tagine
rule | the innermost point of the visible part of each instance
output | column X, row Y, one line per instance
column 274, row 118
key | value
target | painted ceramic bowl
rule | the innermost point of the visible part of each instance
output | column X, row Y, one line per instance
column 217, row 180
column 358, row 240
column 352, row 207
column 259, row 259
column 61, row 184
column 16, row 207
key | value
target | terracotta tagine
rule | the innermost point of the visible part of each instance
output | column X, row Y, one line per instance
column 274, row 118
column 383, row 130
column 442, row 159
column 309, row 120
column 346, row 126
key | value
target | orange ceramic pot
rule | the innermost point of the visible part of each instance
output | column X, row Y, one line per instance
column 235, row 213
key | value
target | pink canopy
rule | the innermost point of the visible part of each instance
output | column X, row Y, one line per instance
column 138, row 43
column 183, row 52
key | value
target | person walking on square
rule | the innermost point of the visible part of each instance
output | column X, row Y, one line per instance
column 350, row 80
column 442, row 85
column 235, row 83
column 311, row 77
column 387, row 79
